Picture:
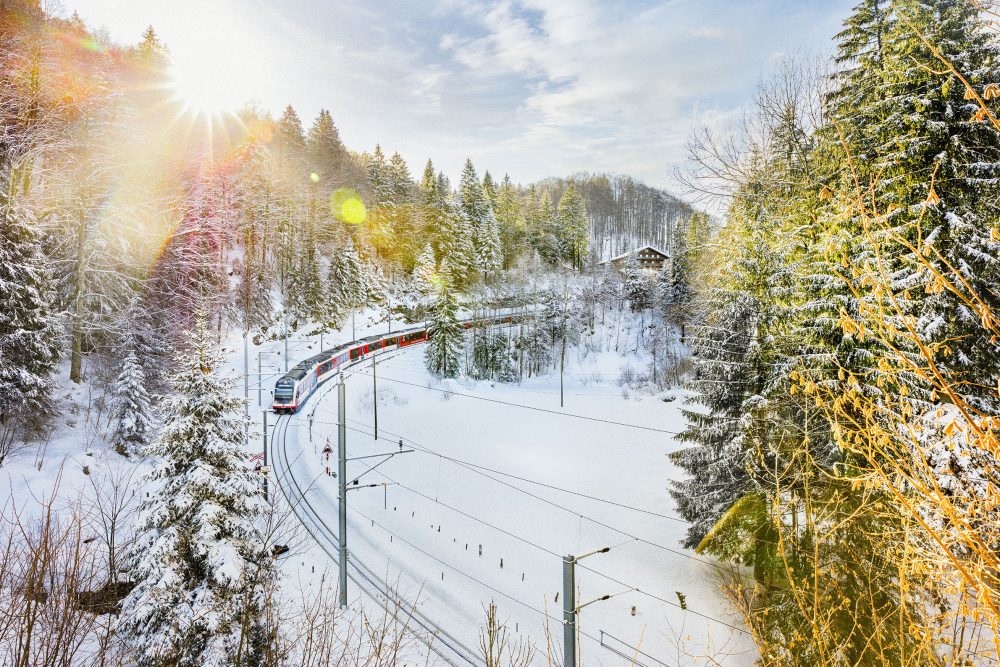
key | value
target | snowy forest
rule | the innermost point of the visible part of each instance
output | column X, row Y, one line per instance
column 815, row 360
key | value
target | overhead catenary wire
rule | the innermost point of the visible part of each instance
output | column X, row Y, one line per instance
column 545, row 484
column 526, row 407
column 454, row 568
column 661, row 599
column 633, row 537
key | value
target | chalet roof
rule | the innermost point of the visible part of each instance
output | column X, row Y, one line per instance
column 637, row 251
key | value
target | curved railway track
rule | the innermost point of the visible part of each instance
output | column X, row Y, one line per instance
column 445, row 645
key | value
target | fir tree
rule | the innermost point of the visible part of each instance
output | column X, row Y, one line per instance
column 489, row 189
column 425, row 271
column 199, row 565
column 444, row 349
column 507, row 207
column 400, row 180
column 130, row 409
column 379, row 178
column 328, row 157
column 574, row 226
column 28, row 332
column 290, row 141
column 638, row 288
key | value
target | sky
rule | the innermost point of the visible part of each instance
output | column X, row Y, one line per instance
column 533, row 88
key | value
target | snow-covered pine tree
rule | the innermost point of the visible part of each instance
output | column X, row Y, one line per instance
column 637, row 285
column 674, row 288
column 425, row 271
column 739, row 371
column 444, row 349
column 290, row 145
column 131, row 412
column 28, row 331
column 490, row 252
column 328, row 158
column 200, row 568
column 345, row 284
column 573, row 227
column 507, row 207
column 379, row 178
column 926, row 164
column 489, row 189
column 483, row 229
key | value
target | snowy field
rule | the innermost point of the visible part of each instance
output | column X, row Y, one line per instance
column 440, row 507
column 477, row 479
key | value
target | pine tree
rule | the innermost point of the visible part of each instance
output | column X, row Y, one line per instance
column 638, row 288
column 574, row 227
column 428, row 185
column 130, row 409
column 290, row 143
column 328, row 157
column 425, row 271
column 28, row 332
column 489, row 189
column 379, row 178
column 510, row 218
column 200, row 567
column 928, row 166
column 346, row 288
column 444, row 349
column 490, row 252
column 674, row 285
column 739, row 371
column 401, row 182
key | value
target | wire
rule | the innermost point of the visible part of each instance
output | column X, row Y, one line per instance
column 598, row 522
column 664, row 600
column 453, row 568
column 525, row 407
column 543, row 484
column 469, row 516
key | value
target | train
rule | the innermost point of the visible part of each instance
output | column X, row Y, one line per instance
column 293, row 389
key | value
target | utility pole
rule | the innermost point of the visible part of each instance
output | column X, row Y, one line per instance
column 246, row 387
column 284, row 316
column 264, row 469
column 562, row 353
column 375, row 395
column 571, row 611
column 342, row 486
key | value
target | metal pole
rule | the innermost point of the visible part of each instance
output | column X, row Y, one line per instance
column 246, row 388
column 321, row 341
column 388, row 302
column 569, row 611
column 375, row 395
column 354, row 334
column 260, row 379
column 342, row 485
column 246, row 372
column 265, row 454
column 285, row 316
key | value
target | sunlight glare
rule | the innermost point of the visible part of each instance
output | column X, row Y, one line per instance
column 212, row 84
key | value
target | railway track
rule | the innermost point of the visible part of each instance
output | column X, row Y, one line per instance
column 443, row 644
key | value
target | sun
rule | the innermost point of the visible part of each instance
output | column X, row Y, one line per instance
column 210, row 86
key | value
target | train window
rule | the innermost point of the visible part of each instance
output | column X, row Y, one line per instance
column 355, row 353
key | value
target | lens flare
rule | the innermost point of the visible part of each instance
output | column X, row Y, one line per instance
column 314, row 177
column 346, row 205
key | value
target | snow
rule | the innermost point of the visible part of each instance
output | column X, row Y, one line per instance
column 426, row 529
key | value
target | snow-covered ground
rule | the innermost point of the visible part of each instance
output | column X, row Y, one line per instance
column 430, row 522
column 427, row 527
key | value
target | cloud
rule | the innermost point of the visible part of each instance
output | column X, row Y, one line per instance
column 530, row 87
